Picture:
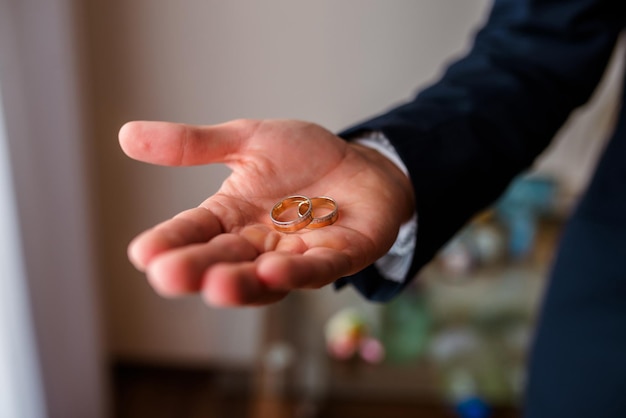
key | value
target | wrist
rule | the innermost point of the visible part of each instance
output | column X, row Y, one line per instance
column 397, row 180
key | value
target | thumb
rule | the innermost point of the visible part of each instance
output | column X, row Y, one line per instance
column 166, row 143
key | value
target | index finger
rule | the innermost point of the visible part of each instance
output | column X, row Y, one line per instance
column 189, row 227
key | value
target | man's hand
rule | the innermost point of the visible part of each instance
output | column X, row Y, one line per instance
column 227, row 248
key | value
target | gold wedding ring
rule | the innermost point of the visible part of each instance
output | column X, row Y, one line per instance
column 320, row 202
column 302, row 213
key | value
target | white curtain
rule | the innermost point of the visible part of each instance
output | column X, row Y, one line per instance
column 51, row 353
column 20, row 384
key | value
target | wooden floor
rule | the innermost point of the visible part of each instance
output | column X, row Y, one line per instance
column 159, row 392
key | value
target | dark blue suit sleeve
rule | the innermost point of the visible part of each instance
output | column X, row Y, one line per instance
column 464, row 138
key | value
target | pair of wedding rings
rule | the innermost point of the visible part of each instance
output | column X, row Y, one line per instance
column 296, row 212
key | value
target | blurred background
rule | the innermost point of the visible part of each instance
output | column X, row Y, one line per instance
column 81, row 332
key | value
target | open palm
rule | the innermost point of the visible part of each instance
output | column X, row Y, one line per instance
column 227, row 248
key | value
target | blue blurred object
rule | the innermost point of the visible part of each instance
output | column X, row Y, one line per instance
column 526, row 199
column 473, row 407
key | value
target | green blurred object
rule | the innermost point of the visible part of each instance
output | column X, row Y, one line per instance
column 406, row 327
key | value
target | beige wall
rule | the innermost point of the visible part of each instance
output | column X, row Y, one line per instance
column 332, row 62
column 210, row 61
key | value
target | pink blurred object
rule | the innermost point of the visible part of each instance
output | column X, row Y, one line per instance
column 342, row 347
column 348, row 334
column 372, row 350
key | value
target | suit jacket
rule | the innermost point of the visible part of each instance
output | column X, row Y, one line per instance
column 463, row 140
